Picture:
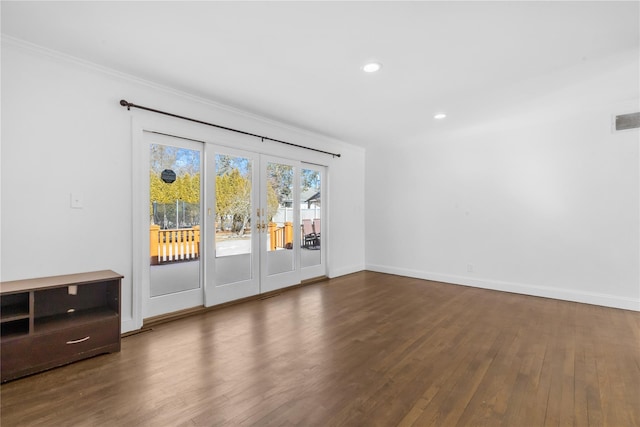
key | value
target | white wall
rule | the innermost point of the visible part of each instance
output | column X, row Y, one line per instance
column 63, row 132
column 539, row 198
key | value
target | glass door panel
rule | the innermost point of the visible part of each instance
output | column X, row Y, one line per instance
column 312, row 221
column 175, row 273
column 233, row 198
column 310, row 217
column 279, row 240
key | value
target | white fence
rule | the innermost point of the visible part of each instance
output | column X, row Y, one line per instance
column 286, row 214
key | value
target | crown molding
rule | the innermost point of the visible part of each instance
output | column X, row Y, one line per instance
column 36, row 49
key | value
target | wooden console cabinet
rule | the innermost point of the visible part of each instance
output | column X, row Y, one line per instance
column 52, row 321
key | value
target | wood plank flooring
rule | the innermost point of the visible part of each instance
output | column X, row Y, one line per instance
column 367, row 349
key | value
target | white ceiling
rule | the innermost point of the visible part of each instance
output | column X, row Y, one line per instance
column 299, row 62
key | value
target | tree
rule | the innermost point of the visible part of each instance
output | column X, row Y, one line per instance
column 233, row 200
column 280, row 177
column 185, row 189
column 310, row 179
column 272, row 202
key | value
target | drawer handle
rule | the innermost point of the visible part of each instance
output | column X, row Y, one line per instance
column 78, row 341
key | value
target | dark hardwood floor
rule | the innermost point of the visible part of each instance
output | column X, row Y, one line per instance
column 366, row 349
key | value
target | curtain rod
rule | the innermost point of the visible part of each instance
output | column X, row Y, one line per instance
column 131, row 104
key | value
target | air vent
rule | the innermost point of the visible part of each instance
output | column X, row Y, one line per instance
column 627, row 121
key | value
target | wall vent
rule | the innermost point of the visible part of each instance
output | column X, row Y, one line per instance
column 627, row 121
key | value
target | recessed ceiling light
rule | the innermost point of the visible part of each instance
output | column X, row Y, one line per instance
column 371, row 67
column 440, row 116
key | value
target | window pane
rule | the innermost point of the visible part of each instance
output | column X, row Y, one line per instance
column 310, row 217
column 233, row 205
column 174, row 212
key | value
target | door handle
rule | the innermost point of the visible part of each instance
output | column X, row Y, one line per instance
column 78, row 341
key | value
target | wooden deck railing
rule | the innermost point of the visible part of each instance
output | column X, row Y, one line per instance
column 280, row 237
column 167, row 246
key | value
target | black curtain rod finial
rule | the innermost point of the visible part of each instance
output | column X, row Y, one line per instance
column 126, row 104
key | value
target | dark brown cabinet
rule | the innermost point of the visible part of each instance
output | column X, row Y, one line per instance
column 52, row 321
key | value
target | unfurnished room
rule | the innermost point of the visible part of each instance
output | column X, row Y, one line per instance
column 320, row 213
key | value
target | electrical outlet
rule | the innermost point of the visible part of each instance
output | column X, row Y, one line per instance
column 469, row 268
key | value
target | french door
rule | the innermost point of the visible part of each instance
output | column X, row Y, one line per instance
column 280, row 216
column 252, row 211
column 226, row 224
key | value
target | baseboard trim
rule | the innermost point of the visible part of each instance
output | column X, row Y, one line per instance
column 168, row 317
column 593, row 298
column 345, row 270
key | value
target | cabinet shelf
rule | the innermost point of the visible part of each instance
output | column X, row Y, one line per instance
column 15, row 328
column 15, row 307
column 9, row 315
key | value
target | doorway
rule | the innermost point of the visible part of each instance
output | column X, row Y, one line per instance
column 226, row 224
column 252, row 212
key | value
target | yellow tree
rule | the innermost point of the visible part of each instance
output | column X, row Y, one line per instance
column 233, row 200
column 186, row 188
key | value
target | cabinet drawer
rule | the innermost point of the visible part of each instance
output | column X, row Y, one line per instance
column 66, row 343
column 15, row 353
column 43, row 351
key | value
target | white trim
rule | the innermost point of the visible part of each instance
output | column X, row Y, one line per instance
column 337, row 272
column 594, row 298
column 128, row 325
column 140, row 275
column 57, row 55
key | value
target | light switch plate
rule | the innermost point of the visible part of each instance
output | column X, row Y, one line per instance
column 77, row 201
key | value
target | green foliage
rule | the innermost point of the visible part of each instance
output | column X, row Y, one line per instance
column 233, row 192
column 233, row 186
column 233, row 198
column 186, row 188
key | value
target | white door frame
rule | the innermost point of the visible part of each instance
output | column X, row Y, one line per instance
column 141, row 122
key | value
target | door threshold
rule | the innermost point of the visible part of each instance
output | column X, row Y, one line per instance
column 175, row 315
